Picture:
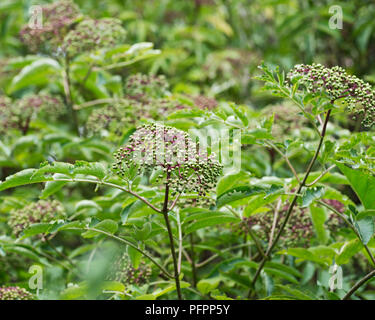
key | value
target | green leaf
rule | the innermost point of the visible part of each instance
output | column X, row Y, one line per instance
column 348, row 250
column 135, row 256
column 281, row 274
column 87, row 204
column 107, row 225
column 36, row 228
column 209, row 220
column 52, row 187
column 296, row 293
column 238, row 193
column 363, row 184
column 366, row 228
column 38, row 72
column 95, row 169
column 23, row 177
column 310, row 195
column 318, row 217
column 205, row 286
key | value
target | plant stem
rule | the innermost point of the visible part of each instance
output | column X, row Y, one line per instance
column 171, row 241
column 272, row 145
column 113, row 186
column 251, row 233
column 359, row 284
column 320, row 176
column 68, row 96
column 129, row 244
column 192, row 253
column 291, row 206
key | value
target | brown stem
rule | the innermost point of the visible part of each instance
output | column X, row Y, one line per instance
column 68, row 96
column 170, row 234
column 291, row 206
column 192, row 253
column 359, row 284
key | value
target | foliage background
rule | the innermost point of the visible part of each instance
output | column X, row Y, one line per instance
column 209, row 49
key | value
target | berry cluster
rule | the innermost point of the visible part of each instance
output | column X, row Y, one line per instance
column 143, row 87
column 145, row 98
column 57, row 18
column 90, row 35
column 124, row 272
column 15, row 293
column 336, row 83
column 182, row 166
column 205, row 103
column 43, row 211
column 17, row 114
column 299, row 230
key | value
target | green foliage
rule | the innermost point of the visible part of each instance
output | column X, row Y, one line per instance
column 145, row 155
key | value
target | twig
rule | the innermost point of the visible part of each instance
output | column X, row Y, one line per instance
column 193, row 268
column 320, row 176
column 274, row 223
column 291, row 206
column 251, row 234
column 171, row 241
column 359, row 284
column 129, row 244
column 94, row 103
column 113, row 186
column 272, row 145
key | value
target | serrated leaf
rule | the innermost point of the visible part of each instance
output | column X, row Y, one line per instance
column 365, row 228
column 363, row 184
column 210, row 221
column 52, row 187
column 348, row 250
column 318, row 217
column 23, row 177
column 107, row 225
column 310, row 195
column 238, row 193
column 38, row 72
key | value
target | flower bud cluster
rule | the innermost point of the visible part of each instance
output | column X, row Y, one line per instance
column 57, row 18
column 143, row 87
column 204, row 103
column 17, row 114
column 43, row 211
column 357, row 95
column 299, row 230
column 183, row 167
column 90, row 35
column 15, row 293
column 124, row 272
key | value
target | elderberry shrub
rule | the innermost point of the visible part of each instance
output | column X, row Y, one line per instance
column 43, row 211
column 123, row 271
column 183, row 167
column 146, row 97
column 299, row 230
column 143, row 87
column 58, row 18
column 15, row 293
column 90, row 35
column 357, row 95
column 19, row 113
